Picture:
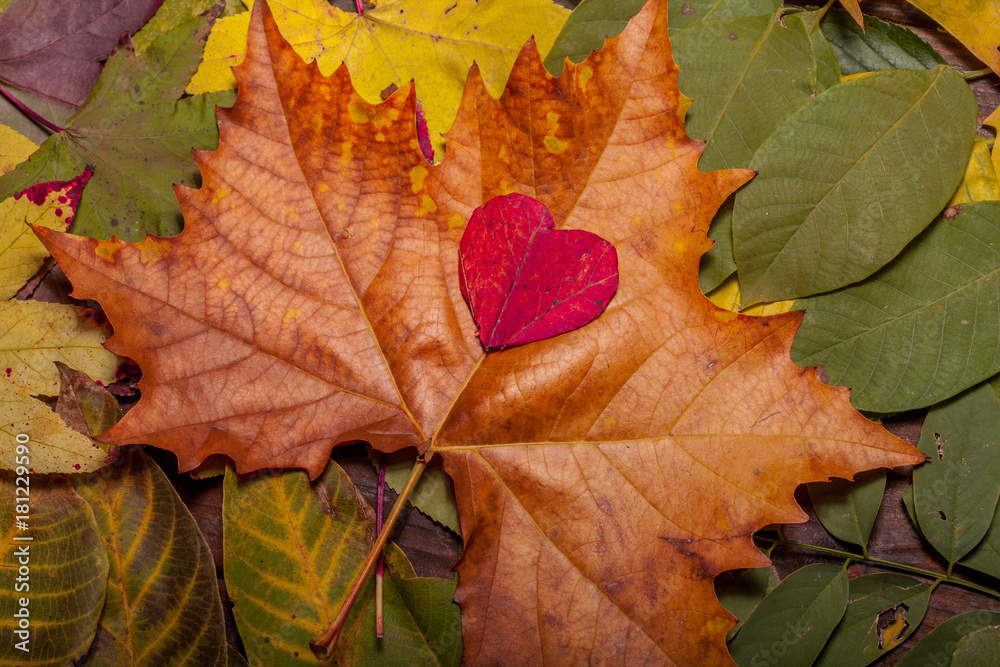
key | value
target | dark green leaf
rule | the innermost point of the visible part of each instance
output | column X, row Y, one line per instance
column 955, row 493
column 848, row 509
column 292, row 550
column 137, row 134
column 938, row 646
column 740, row 591
column 849, row 180
column 163, row 605
column 884, row 609
column 586, row 28
column 791, row 625
column 919, row 331
column 685, row 13
column 718, row 264
column 67, row 573
column 731, row 69
column 979, row 648
column 879, row 46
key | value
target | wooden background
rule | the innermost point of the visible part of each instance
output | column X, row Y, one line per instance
column 433, row 550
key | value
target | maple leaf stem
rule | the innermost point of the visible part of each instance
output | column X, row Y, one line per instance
column 28, row 112
column 938, row 577
column 322, row 646
column 360, row 4
column 378, row 531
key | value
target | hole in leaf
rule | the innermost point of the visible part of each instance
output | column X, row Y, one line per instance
column 942, row 515
column 892, row 626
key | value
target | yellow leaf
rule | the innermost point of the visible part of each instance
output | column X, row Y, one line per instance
column 33, row 335
column 728, row 295
column 14, row 148
column 52, row 445
column 21, row 254
column 994, row 122
column 975, row 23
column 433, row 42
column 980, row 180
column 854, row 10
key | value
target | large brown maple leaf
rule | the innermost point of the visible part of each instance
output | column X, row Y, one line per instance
column 604, row 476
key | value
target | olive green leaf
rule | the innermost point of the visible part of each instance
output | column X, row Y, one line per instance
column 65, row 572
column 292, row 550
column 163, row 605
column 880, row 45
column 848, row 180
column 791, row 625
column 938, row 646
column 979, row 648
column 922, row 329
column 740, row 591
column 884, row 609
column 434, row 494
column 955, row 492
column 848, row 509
column 136, row 133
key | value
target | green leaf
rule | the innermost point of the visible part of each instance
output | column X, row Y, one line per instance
column 434, row 494
column 978, row 648
column 879, row 46
column 174, row 12
column 292, row 550
column 848, row 509
column 586, row 28
column 136, row 133
column 919, row 331
column 684, row 14
column 955, row 492
column 163, row 605
column 740, row 591
column 67, row 572
column 849, row 180
column 731, row 69
column 791, row 625
column 938, row 646
column 718, row 264
column 884, row 609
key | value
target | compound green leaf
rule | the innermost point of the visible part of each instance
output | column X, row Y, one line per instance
column 979, row 648
column 731, row 69
column 66, row 573
column 163, row 605
column 848, row 509
column 955, row 492
column 292, row 550
column 938, row 646
column 791, row 625
column 884, row 609
column 880, row 45
column 922, row 329
column 848, row 180
column 136, row 133
column 741, row 591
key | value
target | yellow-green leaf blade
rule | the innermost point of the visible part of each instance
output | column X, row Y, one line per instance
column 34, row 334
column 67, row 571
column 163, row 605
column 975, row 23
column 55, row 447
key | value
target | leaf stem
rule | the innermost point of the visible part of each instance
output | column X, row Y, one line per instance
column 323, row 645
column 360, row 4
column 29, row 113
column 969, row 75
column 892, row 565
column 378, row 529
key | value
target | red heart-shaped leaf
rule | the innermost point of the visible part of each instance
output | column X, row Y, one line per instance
column 525, row 280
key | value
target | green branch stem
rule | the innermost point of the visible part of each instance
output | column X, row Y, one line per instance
column 938, row 577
